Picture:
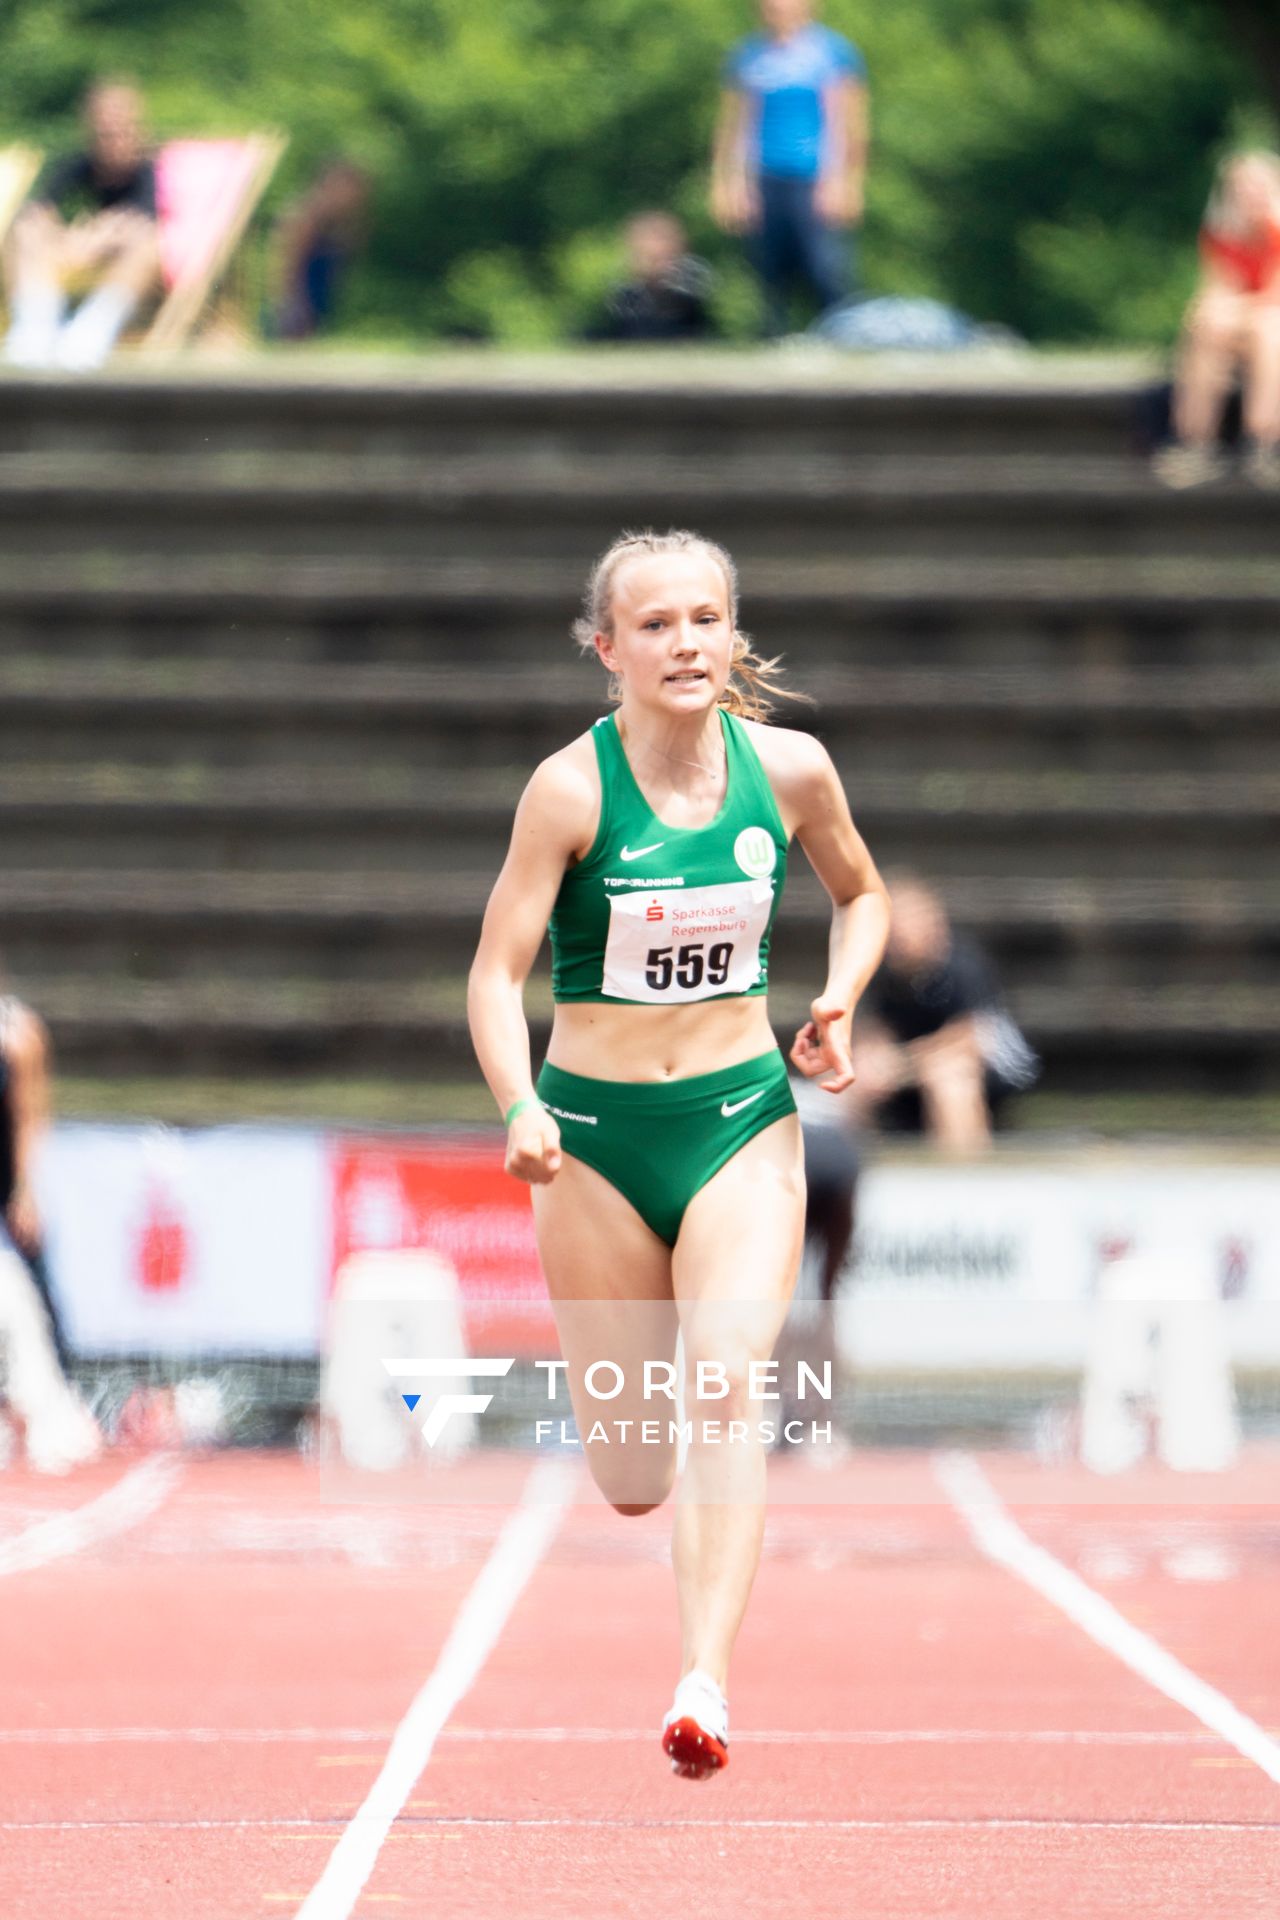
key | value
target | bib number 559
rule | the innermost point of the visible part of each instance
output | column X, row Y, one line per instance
column 688, row 966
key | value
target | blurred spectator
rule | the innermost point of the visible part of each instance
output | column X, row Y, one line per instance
column 88, row 229
column 24, row 1116
column 665, row 297
column 941, row 1053
column 1232, row 326
column 790, row 154
column 831, row 1166
column 59, row 1431
column 316, row 239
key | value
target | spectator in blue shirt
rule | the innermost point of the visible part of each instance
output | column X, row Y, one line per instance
column 790, row 153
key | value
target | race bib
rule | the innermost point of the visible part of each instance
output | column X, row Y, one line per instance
column 675, row 945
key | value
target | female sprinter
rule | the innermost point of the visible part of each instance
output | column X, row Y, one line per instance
column 661, row 1142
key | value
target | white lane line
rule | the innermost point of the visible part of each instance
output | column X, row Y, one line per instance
column 913, row 1823
column 995, row 1531
column 853, row 1736
column 380, row 1736
column 131, row 1499
column 475, row 1632
column 143, row 1824
column 417, row 1827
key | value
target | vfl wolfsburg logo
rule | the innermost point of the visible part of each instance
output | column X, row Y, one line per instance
column 755, row 852
column 453, row 1368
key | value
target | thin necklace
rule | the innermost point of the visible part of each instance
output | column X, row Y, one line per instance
column 677, row 758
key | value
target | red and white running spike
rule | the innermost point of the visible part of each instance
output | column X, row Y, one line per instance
column 695, row 1730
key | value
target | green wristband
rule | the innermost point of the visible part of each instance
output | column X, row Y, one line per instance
column 520, row 1106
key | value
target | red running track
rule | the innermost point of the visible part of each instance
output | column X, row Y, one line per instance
column 194, row 1703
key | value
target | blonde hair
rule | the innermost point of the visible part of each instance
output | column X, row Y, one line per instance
column 754, row 683
column 1222, row 215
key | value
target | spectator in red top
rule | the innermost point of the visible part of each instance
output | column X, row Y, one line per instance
column 1233, row 322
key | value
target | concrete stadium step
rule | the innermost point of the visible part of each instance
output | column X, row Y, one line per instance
column 969, row 635
column 1157, row 902
column 100, row 581
column 486, row 795
column 303, row 906
column 442, row 1000
column 567, row 413
column 299, row 508
column 220, row 1024
column 388, row 818
column 878, row 722
column 270, row 480
column 366, row 927
column 484, row 694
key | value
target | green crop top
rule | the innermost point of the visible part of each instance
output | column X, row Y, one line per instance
column 659, row 916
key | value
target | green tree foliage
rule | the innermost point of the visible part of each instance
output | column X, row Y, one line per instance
column 1038, row 162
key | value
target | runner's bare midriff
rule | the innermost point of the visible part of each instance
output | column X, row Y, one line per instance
column 658, row 1043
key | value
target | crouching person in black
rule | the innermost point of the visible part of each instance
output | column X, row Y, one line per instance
column 940, row 1053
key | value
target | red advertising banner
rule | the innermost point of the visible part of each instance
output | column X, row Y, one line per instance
column 454, row 1198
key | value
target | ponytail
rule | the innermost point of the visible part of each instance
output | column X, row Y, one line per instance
column 754, row 682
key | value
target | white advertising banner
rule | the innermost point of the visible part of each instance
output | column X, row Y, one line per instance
column 997, row 1265
column 164, row 1242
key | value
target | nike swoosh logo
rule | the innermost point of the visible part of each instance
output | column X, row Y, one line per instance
column 729, row 1111
column 633, row 853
